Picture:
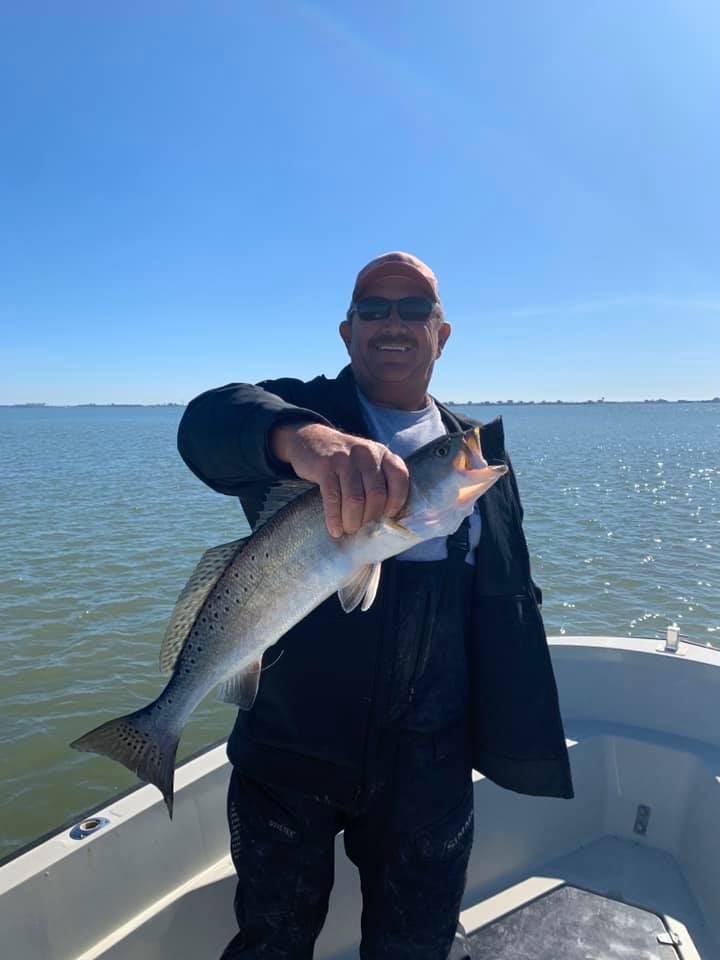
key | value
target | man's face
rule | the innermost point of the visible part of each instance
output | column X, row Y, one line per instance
column 380, row 369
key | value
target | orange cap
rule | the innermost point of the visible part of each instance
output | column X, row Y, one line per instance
column 396, row 264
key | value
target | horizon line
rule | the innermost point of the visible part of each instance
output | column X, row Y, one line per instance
column 35, row 405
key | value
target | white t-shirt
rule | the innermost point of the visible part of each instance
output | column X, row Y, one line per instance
column 403, row 432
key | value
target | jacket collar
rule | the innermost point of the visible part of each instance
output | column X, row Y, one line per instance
column 348, row 413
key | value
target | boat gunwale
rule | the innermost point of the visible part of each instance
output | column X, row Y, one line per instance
column 77, row 818
column 703, row 654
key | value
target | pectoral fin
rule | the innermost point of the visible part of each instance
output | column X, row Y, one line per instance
column 362, row 586
column 241, row 688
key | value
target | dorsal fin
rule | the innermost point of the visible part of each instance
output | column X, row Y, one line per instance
column 277, row 496
column 206, row 574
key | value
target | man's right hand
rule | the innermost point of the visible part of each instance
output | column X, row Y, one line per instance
column 360, row 480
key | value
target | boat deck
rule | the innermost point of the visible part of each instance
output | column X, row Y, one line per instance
column 609, row 900
column 570, row 923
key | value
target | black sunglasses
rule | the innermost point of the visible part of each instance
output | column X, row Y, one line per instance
column 410, row 309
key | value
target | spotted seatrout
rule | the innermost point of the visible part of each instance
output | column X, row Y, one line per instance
column 244, row 596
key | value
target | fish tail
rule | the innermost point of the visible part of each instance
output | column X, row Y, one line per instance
column 140, row 744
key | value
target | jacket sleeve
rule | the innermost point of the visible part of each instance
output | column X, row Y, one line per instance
column 223, row 434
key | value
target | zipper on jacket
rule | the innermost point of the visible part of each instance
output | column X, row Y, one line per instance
column 422, row 649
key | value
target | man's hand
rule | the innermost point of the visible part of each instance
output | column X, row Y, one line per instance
column 360, row 480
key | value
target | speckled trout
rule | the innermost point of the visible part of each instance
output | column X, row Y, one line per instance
column 243, row 596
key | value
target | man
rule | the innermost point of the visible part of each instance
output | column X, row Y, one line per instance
column 371, row 722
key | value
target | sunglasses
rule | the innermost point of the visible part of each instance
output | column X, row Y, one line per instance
column 410, row 309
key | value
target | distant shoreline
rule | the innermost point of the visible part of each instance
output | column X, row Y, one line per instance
column 449, row 403
column 562, row 403
column 65, row 406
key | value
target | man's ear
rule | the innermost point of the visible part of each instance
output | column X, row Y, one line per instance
column 444, row 331
column 345, row 329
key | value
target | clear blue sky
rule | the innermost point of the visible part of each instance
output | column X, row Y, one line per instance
column 188, row 189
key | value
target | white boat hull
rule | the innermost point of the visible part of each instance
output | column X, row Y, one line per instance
column 643, row 730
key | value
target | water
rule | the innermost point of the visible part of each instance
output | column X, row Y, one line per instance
column 101, row 524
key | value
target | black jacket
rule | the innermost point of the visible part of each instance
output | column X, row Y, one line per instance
column 315, row 722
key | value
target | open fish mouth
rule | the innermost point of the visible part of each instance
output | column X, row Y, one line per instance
column 476, row 474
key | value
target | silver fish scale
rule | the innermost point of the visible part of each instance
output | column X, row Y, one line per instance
column 292, row 557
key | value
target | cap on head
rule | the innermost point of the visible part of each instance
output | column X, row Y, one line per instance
column 396, row 264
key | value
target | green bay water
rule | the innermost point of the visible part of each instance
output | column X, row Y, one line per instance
column 101, row 525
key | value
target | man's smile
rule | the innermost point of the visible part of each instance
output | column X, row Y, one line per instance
column 392, row 346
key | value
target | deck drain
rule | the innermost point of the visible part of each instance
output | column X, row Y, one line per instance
column 87, row 827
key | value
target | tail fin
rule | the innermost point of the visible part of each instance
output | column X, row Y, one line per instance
column 142, row 746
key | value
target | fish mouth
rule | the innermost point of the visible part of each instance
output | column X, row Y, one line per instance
column 470, row 457
column 482, row 480
column 476, row 475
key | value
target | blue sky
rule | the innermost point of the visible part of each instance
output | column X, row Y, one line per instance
column 188, row 190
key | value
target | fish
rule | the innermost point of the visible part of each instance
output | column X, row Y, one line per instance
column 243, row 596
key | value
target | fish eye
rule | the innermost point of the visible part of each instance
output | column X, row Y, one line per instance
column 442, row 451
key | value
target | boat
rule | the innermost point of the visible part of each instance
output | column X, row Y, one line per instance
column 627, row 870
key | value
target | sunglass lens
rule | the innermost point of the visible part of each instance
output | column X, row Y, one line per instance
column 373, row 308
column 411, row 309
column 414, row 308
